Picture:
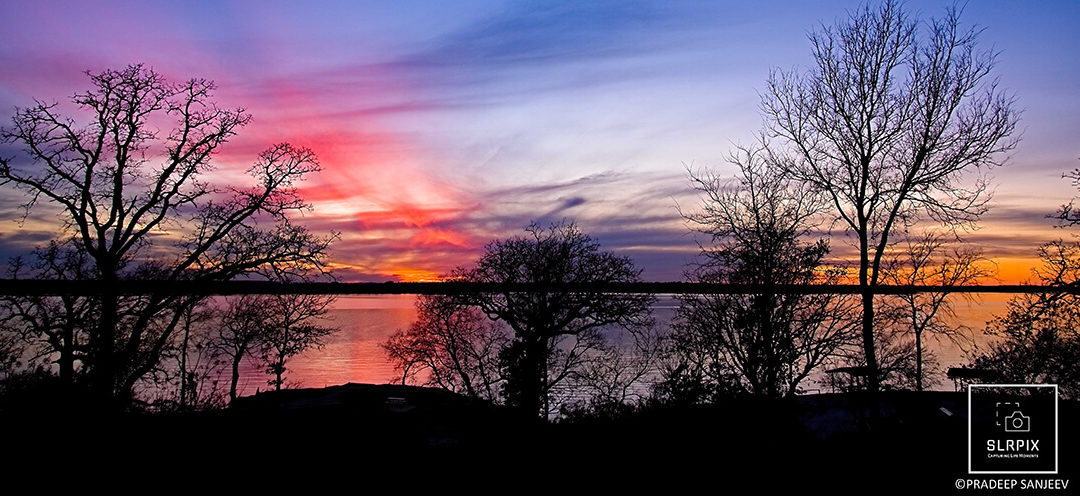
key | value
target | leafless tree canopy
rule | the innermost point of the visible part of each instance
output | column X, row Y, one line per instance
column 887, row 122
column 55, row 327
column 1040, row 333
column 1068, row 214
column 241, row 322
column 293, row 323
column 928, row 261
column 554, row 331
column 135, row 201
column 754, row 210
column 452, row 346
column 762, row 344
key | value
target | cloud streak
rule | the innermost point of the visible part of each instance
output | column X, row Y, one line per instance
column 440, row 128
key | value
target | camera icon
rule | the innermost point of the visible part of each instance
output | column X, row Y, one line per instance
column 1017, row 422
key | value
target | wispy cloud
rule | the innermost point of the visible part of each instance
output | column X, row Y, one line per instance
column 443, row 127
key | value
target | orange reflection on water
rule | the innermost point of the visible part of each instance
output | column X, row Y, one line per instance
column 366, row 321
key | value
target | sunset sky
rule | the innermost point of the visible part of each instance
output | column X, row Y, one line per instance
column 443, row 125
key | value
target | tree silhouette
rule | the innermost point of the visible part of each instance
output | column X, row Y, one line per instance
column 927, row 262
column 54, row 325
column 616, row 374
column 761, row 344
column 885, row 123
column 452, row 346
column 197, row 362
column 554, row 330
column 895, row 349
column 136, row 201
column 1039, row 335
column 12, row 351
column 292, row 326
column 1068, row 214
column 241, row 322
column 1039, row 339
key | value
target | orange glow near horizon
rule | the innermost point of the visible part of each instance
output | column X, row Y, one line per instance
column 414, row 275
column 437, row 142
column 398, row 274
column 1006, row 270
column 1011, row 270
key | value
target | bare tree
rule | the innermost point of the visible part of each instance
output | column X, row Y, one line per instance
column 291, row 327
column 451, row 346
column 270, row 329
column 54, row 325
column 573, row 379
column 763, row 344
column 1039, row 335
column 886, row 122
column 1069, row 214
column 895, row 350
column 12, row 351
column 553, row 329
column 928, row 262
column 241, row 323
column 618, row 375
column 197, row 361
column 137, row 203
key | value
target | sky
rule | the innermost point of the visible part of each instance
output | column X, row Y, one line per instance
column 443, row 125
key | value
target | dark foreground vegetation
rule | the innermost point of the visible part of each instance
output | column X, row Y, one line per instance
column 829, row 441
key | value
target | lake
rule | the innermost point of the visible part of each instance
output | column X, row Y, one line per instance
column 365, row 322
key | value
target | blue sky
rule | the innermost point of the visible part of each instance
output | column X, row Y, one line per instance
column 442, row 125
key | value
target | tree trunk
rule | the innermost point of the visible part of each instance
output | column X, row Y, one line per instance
column 769, row 340
column 279, row 369
column 104, row 367
column 183, row 361
column 918, row 360
column 235, row 375
column 534, row 393
column 66, row 362
column 872, row 379
column 527, row 380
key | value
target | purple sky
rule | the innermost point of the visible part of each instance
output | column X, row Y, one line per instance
column 442, row 125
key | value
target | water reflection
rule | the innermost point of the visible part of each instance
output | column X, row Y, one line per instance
column 366, row 321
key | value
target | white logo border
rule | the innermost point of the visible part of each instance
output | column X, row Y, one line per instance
column 1057, row 420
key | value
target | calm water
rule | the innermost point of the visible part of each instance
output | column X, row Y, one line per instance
column 351, row 355
column 354, row 354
